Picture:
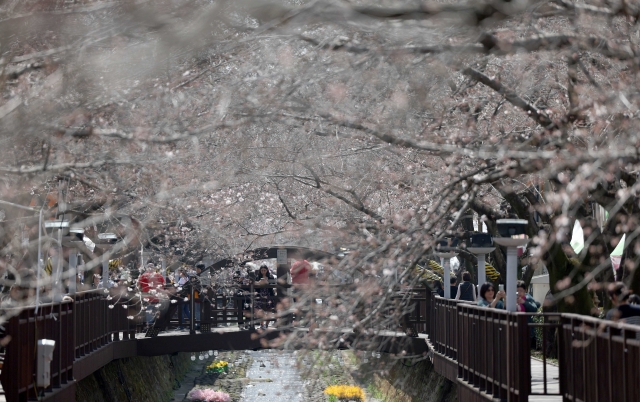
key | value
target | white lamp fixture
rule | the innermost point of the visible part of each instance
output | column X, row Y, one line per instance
column 77, row 232
column 56, row 224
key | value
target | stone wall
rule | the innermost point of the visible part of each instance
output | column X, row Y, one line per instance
column 137, row 379
column 390, row 379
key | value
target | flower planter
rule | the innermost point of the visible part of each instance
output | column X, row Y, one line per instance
column 346, row 393
column 218, row 367
column 208, row 395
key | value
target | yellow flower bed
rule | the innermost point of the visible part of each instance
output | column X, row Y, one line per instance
column 218, row 367
column 346, row 392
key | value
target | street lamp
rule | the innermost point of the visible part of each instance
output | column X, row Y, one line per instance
column 481, row 244
column 56, row 224
column 78, row 236
column 108, row 240
column 446, row 250
column 57, row 283
column 508, row 228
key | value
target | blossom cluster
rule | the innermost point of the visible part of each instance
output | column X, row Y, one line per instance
column 208, row 395
column 346, row 392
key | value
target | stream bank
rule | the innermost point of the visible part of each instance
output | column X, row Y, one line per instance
column 136, row 379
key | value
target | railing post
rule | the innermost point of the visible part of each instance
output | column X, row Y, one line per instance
column 253, row 324
column 192, row 309
column 205, row 314
column 523, row 356
column 239, row 300
column 562, row 359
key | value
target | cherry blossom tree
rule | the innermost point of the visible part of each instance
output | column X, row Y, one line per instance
column 378, row 126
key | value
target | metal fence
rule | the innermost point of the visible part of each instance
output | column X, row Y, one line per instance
column 78, row 327
column 597, row 360
column 600, row 360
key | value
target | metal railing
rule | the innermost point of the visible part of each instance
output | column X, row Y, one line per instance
column 493, row 351
column 600, row 360
column 491, row 348
column 78, row 327
column 53, row 321
column 597, row 360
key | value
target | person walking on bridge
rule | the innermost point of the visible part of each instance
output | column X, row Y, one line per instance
column 466, row 290
column 151, row 284
column 181, row 280
column 265, row 295
column 453, row 288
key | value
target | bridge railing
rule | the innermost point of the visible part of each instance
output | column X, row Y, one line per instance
column 52, row 321
column 493, row 351
column 444, row 324
column 78, row 328
column 600, row 360
column 489, row 349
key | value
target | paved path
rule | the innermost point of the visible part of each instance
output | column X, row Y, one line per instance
column 537, row 381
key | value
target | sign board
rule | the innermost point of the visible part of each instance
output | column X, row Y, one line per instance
column 282, row 256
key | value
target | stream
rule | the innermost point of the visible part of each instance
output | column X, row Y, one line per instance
column 273, row 376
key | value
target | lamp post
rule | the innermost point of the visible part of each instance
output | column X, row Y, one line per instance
column 445, row 249
column 108, row 240
column 77, row 236
column 481, row 244
column 508, row 228
column 57, row 274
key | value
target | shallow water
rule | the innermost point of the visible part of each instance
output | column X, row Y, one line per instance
column 273, row 376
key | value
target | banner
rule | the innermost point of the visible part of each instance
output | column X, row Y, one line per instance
column 615, row 262
column 616, row 254
column 577, row 238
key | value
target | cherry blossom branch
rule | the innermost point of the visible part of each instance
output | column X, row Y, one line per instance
column 63, row 166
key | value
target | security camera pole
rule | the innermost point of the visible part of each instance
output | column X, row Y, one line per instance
column 445, row 249
column 481, row 244
column 108, row 240
column 508, row 229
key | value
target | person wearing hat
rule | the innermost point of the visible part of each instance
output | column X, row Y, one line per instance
column 622, row 310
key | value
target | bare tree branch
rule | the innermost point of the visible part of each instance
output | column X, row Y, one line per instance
column 537, row 115
column 64, row 166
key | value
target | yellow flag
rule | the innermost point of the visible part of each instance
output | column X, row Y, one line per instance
column 48, row 267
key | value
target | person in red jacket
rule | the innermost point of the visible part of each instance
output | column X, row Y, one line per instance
column 300, row 271
column 151, row 284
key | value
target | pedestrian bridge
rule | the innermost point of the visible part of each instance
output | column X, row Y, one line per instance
column 487, row 352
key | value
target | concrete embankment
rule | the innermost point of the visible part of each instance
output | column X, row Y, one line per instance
column 137, row 379
column 268, row 375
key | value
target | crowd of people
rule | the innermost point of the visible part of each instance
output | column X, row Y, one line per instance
column 158, row 288
column 625, row 304
column 230, row 285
